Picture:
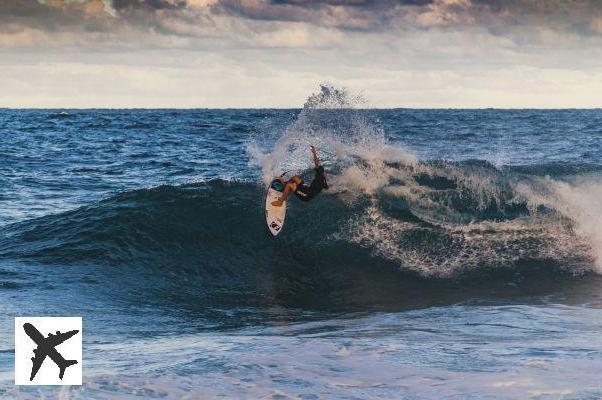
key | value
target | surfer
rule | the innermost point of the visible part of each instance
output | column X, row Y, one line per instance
column 297, row 186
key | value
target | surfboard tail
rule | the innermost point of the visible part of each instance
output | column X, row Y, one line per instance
column 64, row 366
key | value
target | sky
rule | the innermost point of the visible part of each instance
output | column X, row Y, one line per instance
column 275, row 53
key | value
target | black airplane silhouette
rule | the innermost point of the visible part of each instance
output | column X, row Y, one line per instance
column 46, row 347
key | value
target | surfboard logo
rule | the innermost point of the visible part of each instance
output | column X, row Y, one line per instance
column 275, row 226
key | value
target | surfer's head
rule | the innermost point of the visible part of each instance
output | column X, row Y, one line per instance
column 297, row 179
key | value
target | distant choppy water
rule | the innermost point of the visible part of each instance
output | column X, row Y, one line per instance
column 456, row 254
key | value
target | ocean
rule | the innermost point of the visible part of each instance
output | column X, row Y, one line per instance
column 456, row 254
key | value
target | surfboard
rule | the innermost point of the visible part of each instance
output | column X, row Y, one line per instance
column 274, row 216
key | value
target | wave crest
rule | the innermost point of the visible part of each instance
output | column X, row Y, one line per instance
column 454, row 216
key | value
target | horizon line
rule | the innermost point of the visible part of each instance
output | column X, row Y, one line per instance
column 301, row 108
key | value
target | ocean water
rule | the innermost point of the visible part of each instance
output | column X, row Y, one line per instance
column 457, row 253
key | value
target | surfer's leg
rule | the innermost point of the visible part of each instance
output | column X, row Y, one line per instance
column 319, row 181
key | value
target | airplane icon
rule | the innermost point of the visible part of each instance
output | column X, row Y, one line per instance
column 46, row 347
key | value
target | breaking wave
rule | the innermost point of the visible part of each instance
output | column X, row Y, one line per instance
column 438, row 217
column 437, row 222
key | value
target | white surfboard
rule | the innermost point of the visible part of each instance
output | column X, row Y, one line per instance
column 274, row 216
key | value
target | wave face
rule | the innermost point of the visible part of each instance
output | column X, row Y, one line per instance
column 437, row 223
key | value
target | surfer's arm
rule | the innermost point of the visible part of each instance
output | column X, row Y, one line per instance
column 315, row 155
column 288, row 188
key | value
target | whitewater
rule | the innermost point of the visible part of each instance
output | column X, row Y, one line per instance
column 455, row 252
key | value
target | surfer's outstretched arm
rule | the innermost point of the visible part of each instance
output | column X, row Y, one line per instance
column 315, row 155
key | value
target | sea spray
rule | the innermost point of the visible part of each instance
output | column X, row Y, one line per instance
column 454, row 216
column 330, row 122
column 579, row 201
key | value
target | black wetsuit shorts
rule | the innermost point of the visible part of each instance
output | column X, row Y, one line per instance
column 306, row 193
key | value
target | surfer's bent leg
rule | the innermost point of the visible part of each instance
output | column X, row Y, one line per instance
column 319, row 181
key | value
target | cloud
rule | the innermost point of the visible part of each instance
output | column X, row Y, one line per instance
column 273, row 52
column 361, row 15
column 373, row 15
column 29, row 22
column 231, row 18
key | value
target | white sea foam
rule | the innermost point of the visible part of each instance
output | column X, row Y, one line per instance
column 580, row 201
column 450, row 230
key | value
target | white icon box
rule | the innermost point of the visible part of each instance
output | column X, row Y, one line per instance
column 48, row 350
